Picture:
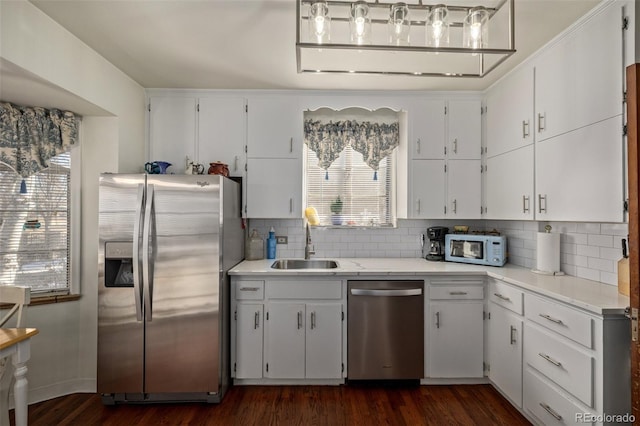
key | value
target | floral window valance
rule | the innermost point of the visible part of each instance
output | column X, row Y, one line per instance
column 374, row 134
column 30, row 136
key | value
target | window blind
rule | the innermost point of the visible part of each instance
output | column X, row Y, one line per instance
column 35, row 227
column 365, row 201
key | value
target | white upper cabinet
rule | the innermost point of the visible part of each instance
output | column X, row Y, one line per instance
column 464, row 129
column 428, row 189
column 274, row 127
column 579, row 174
column 222, row 132
column 172, row 130
column 509, row 192
column 579, row 79
column 464, row 189
column 427, row 139
column 274, row 188
column 509, row 116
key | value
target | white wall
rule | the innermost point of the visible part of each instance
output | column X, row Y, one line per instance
column 63, row 358
column 587, row 250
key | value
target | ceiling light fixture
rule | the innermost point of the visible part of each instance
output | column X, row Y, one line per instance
column 375, row 37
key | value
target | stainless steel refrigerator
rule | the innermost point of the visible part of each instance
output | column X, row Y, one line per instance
column 166, row 244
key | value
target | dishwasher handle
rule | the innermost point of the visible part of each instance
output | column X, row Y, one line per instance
column 385, row 293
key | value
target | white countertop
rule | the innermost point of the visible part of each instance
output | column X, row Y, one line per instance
column 592, row 296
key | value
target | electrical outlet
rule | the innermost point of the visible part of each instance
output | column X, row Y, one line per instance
column 281, row 240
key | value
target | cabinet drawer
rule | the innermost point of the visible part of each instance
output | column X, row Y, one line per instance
column 304, row 289
column 506, row 296
column 453, row 292
column 548, row 404
column 249, row 289
column 561, row 363
column 561, row 319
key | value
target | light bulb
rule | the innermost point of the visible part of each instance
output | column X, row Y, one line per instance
column 360, row 22
column 475, row 33
column 399, row 24
column 438, row 26
column 320, row 21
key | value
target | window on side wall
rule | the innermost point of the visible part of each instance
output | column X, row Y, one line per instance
column 343, row 188
column 36, row 226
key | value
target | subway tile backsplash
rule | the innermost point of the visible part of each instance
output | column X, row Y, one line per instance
column 587, row 250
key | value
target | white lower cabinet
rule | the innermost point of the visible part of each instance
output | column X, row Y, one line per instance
column 303, row 341
column 559, row 364
column 248, row 355
column 287, row 329
column 505, row 352
column 455, row 347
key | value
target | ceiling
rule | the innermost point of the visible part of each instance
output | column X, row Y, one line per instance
column 250, row 44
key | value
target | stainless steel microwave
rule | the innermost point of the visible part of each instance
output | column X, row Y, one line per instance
column 477, row 249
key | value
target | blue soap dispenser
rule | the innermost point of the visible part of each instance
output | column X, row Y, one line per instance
column 271, row 244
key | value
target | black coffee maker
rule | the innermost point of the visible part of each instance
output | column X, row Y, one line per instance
column 436, row 234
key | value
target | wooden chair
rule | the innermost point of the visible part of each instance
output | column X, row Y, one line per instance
column 18, row 297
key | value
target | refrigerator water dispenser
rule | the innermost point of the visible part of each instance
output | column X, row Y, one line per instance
column 118, row 264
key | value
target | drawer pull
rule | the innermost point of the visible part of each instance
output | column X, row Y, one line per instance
column 505, row 298
column 547, row 317
column 458, row 293
column 551, row 411
column 249, row 288
column 551, row 360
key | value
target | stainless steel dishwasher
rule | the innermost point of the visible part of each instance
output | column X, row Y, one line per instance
column 385, row 330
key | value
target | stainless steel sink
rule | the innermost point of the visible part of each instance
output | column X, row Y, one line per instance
column 304, row 264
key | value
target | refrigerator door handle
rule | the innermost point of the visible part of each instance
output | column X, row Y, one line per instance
column 146, row 261
column 137, row 289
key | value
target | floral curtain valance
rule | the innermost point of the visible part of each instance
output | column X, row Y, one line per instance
column 328, row 137
column 30, row 136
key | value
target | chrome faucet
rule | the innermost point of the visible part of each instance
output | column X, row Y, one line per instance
column 308, row 248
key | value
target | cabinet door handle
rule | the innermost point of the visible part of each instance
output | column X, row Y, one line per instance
column 418, row 146
column 455, row 146
column 256, row 321
column 290, row 205
column 525, row 204
column 540, row 199
column 457, row 293
column 455, row 206
column 419, row 206
column 551, row 411
column 512, row 338
column 499, row 296
column 550, row 318
column 551, row 360
column 299, row 320
column 235, row 163
column 525, row 129
column 541, row 120
column 313, row 320
column 291, row 144
column 437, row 319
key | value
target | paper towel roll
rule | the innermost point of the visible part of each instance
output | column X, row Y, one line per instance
column 548, row 253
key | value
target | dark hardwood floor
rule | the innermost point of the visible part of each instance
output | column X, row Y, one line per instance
column 297, row 405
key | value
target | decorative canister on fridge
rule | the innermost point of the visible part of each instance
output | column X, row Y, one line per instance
column 218, row 168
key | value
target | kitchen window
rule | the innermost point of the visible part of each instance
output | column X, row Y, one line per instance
column 350, row 166
column 36, row 225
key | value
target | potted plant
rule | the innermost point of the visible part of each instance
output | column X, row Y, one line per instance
column 336, row 211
